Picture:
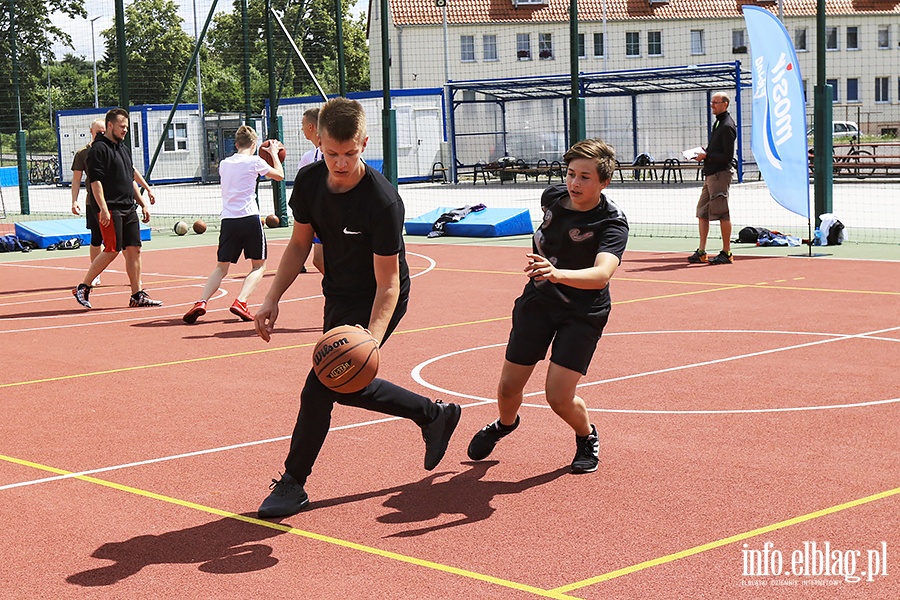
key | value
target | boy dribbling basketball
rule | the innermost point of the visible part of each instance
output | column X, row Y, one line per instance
column 566, row 302
column 358, row 215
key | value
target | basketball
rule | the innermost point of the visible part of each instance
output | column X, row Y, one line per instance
column 199, row 226
column 346, row 359
column 282, row 153
column 180, row 228
column 272, row 221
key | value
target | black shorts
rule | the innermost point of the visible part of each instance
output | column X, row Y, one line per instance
column 123, row 231
column 537, row 323
column 244, row 234
column 92, row 222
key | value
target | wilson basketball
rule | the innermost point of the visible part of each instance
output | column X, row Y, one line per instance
column 199, row 226
column 346, row 359
column 282, row 153
column 272, row 221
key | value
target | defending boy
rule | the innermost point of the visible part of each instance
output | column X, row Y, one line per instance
column 358, row 215
column 566, row 302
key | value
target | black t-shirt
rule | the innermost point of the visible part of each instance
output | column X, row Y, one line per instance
column 572, row 239
column 110, row 164
column 353, row 226
column 720, row 149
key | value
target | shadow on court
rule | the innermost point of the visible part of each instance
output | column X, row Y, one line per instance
column 225, row 546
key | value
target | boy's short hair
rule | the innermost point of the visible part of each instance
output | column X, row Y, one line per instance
column 245, row 137
column 311, row 115
column 597, row 150
column 113, row 115
column 343, row 119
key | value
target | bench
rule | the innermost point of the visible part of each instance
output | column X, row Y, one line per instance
column 438, row 170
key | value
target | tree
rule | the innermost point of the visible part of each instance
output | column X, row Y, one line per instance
column 312, row 23
column 35, row 36
column 158, row 50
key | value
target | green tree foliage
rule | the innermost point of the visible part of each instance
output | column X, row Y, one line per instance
column 313, row 28
column 35, row 35
column 158, row 50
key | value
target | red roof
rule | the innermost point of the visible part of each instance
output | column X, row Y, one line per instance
column 424, row 12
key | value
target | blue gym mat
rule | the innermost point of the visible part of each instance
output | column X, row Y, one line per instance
column 44, row 233
column 490, row 222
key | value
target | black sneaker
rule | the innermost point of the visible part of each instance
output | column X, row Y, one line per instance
column 437, row 433
column 698, row 257
column 722, row 258
column 142, row 299
column 587, row 452
column 287, row 498
column 82, row 293
column 484, row 441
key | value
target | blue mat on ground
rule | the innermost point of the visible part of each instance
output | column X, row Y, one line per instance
column 9, row 176
column 490, row 222
column 44, row 233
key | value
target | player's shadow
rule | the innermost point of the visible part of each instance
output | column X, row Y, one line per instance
column 72, row 311
column 466, row 494
column 225, row 546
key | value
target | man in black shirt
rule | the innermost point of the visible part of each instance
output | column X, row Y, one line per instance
column 713, row 204
column 358, row 215
column 111, row 173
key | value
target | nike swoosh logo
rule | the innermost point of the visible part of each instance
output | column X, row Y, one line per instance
column 348, row 232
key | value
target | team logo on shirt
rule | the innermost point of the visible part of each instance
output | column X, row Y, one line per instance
column 577, row 236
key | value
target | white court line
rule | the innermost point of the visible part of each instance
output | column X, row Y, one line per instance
column 431, row 266
column 417, row 371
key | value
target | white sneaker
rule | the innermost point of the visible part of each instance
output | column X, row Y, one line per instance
column 96, row 281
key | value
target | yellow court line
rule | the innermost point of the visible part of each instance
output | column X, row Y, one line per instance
column 725, row 541
column 300, row 532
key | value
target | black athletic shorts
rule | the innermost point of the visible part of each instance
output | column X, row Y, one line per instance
column 92, row 222
column 244, row 234
column 537, row 323
column 124, row 230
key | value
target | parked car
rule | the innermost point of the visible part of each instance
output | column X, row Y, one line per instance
column 840, row 129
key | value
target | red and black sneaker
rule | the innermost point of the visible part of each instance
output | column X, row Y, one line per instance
column 240, row 309
column 196, row 311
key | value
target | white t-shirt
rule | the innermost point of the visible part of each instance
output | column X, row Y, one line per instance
column 238, row 174
column 309, row 157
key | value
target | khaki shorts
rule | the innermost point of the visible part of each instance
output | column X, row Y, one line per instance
column 713, row 203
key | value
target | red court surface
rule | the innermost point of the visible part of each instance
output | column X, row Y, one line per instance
column 749, row 422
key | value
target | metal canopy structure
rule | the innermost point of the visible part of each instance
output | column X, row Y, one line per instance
column 663, row 80
column 706, row 78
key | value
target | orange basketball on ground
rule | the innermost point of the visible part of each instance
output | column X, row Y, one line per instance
column 346, row 359
column 272, row 221
column 282, row 153
column 199, row 226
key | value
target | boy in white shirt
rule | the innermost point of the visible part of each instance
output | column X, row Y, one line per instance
column 241, row 230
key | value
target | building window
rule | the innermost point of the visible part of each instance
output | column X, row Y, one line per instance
column 654, row 43
column 884, row 37
column 632, row 43
column 489, row 42
column 135, row 134
column 697, row 44
column 803, row 86
column 881, row 90
column 800, row 39
column 582, row 49
column 467, row 48
column 835, row 93
column 545, row 46
column 852, row 90
column 831, row 38
column 598, row 45
column 176, row 138
column 853, row 38
column 738, row 42
column 523, row 46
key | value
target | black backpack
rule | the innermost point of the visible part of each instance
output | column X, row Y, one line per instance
column 750, row 235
